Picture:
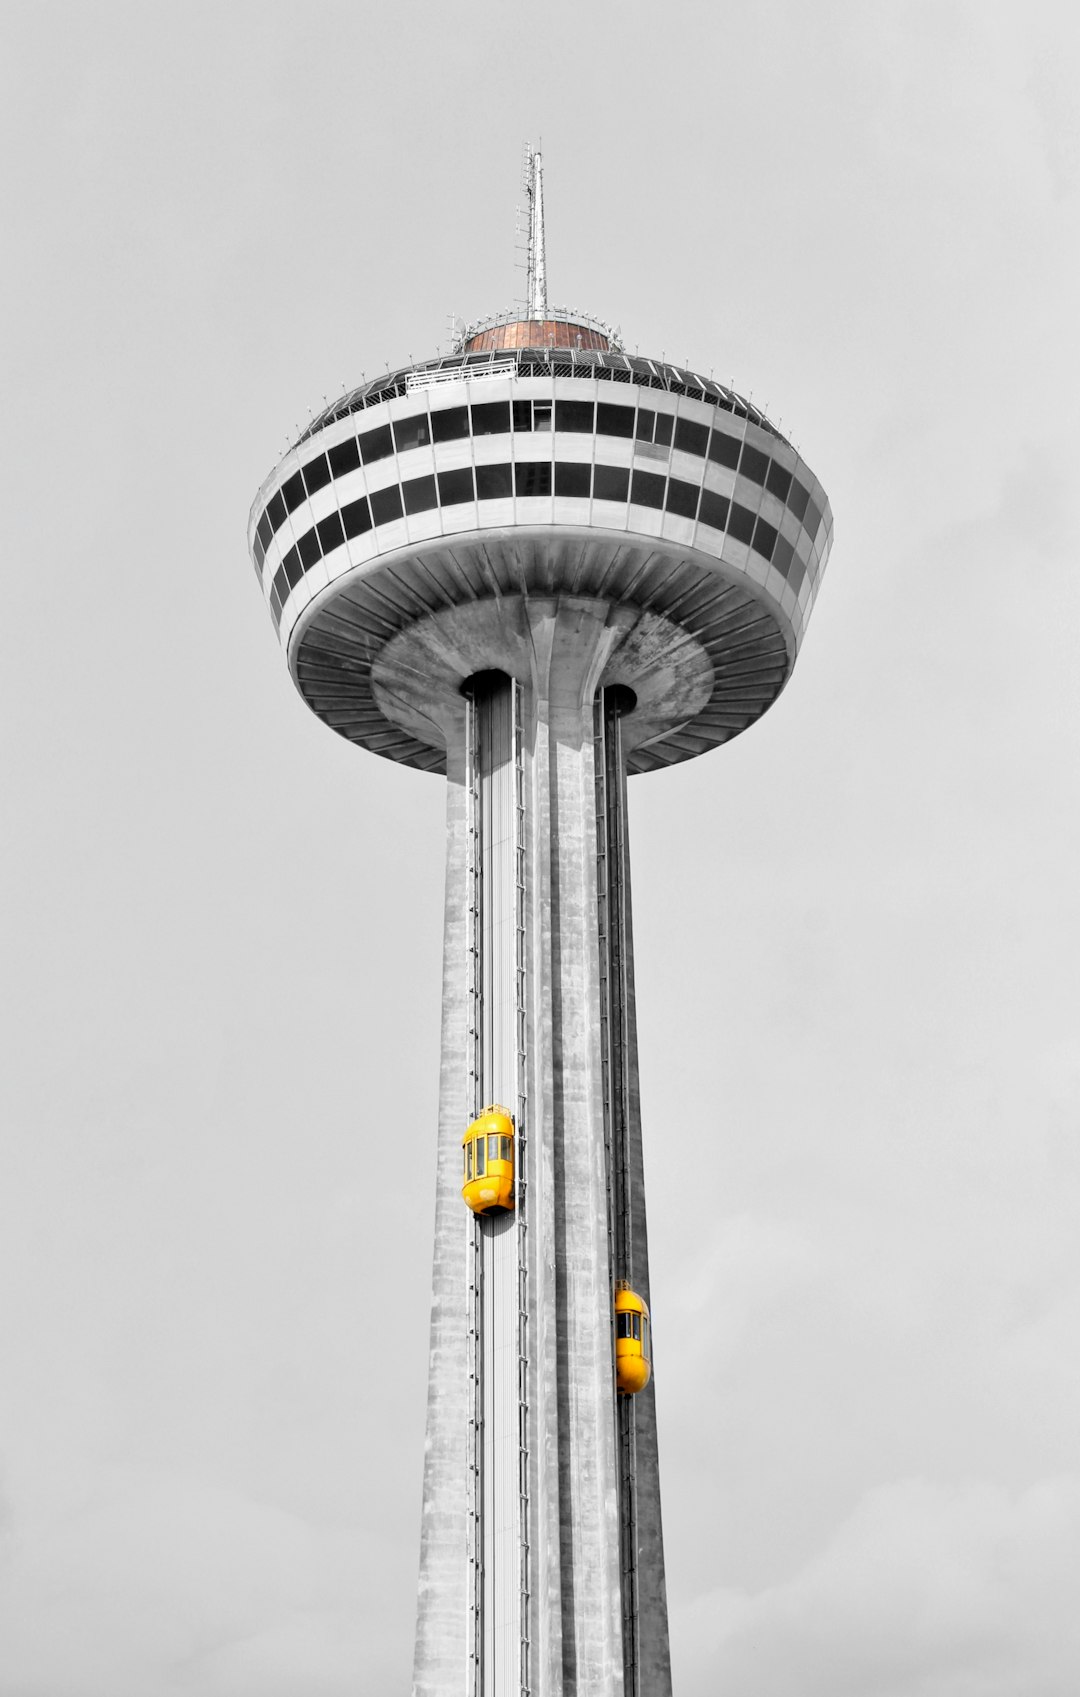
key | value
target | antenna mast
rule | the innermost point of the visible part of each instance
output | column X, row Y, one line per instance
column 537, row 265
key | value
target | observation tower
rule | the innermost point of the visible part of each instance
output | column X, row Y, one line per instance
column 539, row 565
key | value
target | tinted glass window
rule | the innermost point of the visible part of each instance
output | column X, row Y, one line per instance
column 690, row 437
column 290, row 565
column 522, row 415
column 682, row 497
column 376, row 444
column 258, row 550
column 493, row 481
column 622, row 1325
column 797, row 500
column 754, row 464
column 646, row 418
column 714, row 509
column 504, row 1149
column 533, row 477
column 572, row 479
column 455, row 486
column 491, row 419
column 316, row 474
column 573, row 415
column 724, row 449
column 293, row 492
column 330, row 532
column 648, row 490
column 812, row 518
column 275, row 512
column 467, row 1154
column 450, row 424
column 662, row 429
column 614, row 420
column 419, row 494
column 782, row 555
column 611, row 482
column 345, row 457
column 741, row 523
column 493, row 1147
column 541, row 415
column 309, row 549
column 356, row 517
column 764, row 538
column 411, row 432
column 636, row 1318
column 481, row 1164
column 796, row 574
column 386, row 505
column 281, row 586
column 778, row 481
column 265, row 530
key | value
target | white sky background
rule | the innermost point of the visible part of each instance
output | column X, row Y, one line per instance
column 856, row 927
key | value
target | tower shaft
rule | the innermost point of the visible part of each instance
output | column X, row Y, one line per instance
column 555, row 1499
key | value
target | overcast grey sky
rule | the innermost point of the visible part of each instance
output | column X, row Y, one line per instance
column 856, row 926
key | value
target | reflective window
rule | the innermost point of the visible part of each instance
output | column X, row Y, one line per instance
column 356, row 517
column 648, row 489
column 493, row 1146
column 724, row 449
column 450, row 424
column 258, row 550
column 491, row 419
column 280, row 587
column 411, row 432
column 533, row 477
column 636, row 1319
column 646, row 1340
column 493, row 481
column 376, row 444
column 714, row 509
column 646, row 418
column 522, row 415
column 386, row 505
column 782, row 555
column 622, row 1325
column 574, row 415
column 797, row 500
column 419, row 493
column 754, row 464
column 481, row 1164
column 275, row 512
column 468, row 1159
column 265, row 531
column 456, row 486
column 331, row 535
column 812, row 518
column 308, row 548
column 541, row 415
column 764, row 538
column 505, row 1150
column 682, row 497
column 572, row 480
column 741, row 523
column 663, row 428
column 292, row 491
column 690, row 437
column 345, row 456
column 276, row 603
column 316, row 474
column 611, row 482
column 614, row 420
column 290, row 566
column 778, row 481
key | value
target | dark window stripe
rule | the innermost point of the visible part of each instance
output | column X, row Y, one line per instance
column 754, row 464
column 419, row 494
column 375, row 444
column 493, row 481
column 648, row 489
column 741, row 523
column 344, row 457
column 456, row 485
column 612, row 420
column 450, row 424
column 292, row 492
column 574, row 415
column 682, row 498
column 356, row 517
column 317, row 474
column 572, row 480
column 611, row 483
column 714, row 509
column 533, row 477
column 265, row 530
column 691, row 437
column 765, row 536
column 778, row 481
column 386, row 504
column 331, row 534
column 491, row 419
column 308, row 548
column 724, row 449
column 797, row 500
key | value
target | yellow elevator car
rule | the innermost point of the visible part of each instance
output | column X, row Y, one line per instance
column 488, row 1152
column 633, row 1345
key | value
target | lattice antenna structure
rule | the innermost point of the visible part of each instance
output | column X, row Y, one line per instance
column 536, row 287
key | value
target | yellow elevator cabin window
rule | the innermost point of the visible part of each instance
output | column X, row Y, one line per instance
column 489, row 1161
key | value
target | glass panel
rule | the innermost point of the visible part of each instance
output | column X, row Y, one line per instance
column 376, row 444
column 724, row 449
column 411, row 432
column 450, row 424
column 281, row 585
column 614, row 420
column 292, row 492
column 782, row 555
column 573, row 415
column 330, row 532
column 690, row 437
column 636, row 1318
column 522, row 415
column 266, row 530
column 493, row 1146
column 622, row 1325
column 611, row 482
column 344, row 458
column 419, row 494
column 754, row 464
column 662, row 433
column 505, row 1149
column 491, row 419
column 533, row 477
column 741, row 523
column 764, row 538
column 469, row 1159
column 275, row 512
column 812, row 519
column 572, row 479
column 682, row 497
column 648, row 489
column 290, row 565
column 317, row 474
column 778, row 481
column 797, row 500
column 646, row 418
column 356, row 517
column 646, row 1340
column 258, row 550
column 456, row 485
column 386, row 505
column 493, row 480
column 481, row 1164
column 309, row 549
column 714, row 509
column 541, row 415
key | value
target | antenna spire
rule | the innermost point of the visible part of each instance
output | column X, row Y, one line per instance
column 537, row 265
